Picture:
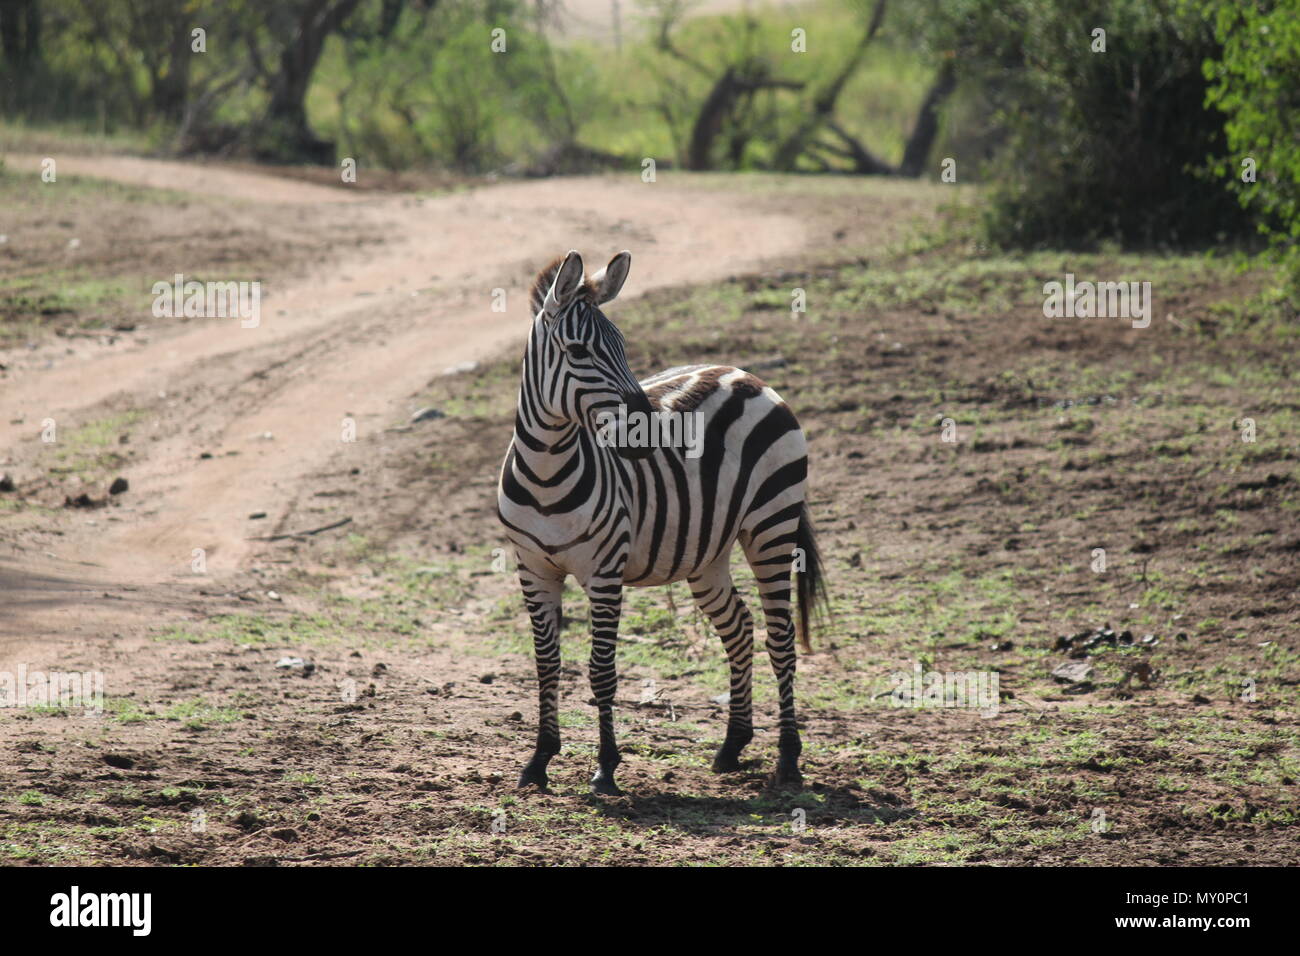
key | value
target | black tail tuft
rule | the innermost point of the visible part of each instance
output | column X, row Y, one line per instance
column 813, row 601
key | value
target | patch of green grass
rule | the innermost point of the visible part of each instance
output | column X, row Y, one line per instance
column 52, row 138
column 199, row 714
column 88, row 450
column 126, row 710
column 409, row 597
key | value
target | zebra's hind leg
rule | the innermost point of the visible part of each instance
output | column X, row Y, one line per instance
column 606, row 596
column 772, row 560
column 716, row 596
column 542, row 597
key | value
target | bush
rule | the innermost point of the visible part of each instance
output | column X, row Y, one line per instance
column 1100, row 145
column 434, row 92
column 1256, row 83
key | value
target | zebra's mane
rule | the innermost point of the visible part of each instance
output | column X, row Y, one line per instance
column 542, row 285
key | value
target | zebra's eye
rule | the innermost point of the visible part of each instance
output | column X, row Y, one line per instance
column 579, row 351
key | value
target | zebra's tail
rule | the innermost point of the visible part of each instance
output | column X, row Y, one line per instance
column 811, row 584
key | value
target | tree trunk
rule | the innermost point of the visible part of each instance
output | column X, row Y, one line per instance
column 926, row 129
column 788, row 152
column 864, row 161
column 20, row 32
column 720, row 105
column 708, row 122
column 32, row 38
column 286, row 114
column 171, row 90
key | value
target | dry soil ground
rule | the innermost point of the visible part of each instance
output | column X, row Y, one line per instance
column 398, row 738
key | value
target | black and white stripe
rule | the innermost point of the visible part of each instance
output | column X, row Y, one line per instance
column 617, row 516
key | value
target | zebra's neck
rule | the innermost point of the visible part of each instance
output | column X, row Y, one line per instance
column 545, row 452
column 552, row 457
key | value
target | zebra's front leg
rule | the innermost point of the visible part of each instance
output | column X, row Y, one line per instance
column 606, row 595
column 542, row 598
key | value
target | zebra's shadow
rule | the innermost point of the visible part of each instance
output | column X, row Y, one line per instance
column 783, row 808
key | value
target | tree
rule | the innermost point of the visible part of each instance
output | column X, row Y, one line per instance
column 20, row 32
column 816, row 138
column 296, row 33
column 726, row 107
column 1255, row 83
column 823, row 105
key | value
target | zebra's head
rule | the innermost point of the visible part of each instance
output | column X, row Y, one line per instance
column 580, row 372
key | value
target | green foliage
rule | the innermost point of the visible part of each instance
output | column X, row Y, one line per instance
column 113, row 65
column 1256, row 83
column 402, row 83
column 658, row 87
column 1141, row 142
column 434, row 91
column 1101, row 145
column 431, row 91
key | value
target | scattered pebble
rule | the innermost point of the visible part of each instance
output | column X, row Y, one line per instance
column 297, row 663
column 1078, row 645
column 426, row 414
column 1073, row 672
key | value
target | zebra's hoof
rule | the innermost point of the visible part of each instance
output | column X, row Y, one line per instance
column 604, row 783
column 726, row 763
column 532, row 777
column 789, row 776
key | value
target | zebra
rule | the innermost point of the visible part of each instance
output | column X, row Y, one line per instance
column 618, row 515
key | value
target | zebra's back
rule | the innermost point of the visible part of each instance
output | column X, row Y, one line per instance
column 748, row 477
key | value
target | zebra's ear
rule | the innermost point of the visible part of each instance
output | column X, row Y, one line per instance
column 609, row 280
column 568, row 280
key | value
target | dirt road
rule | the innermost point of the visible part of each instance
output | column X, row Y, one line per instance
column 355, row 338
